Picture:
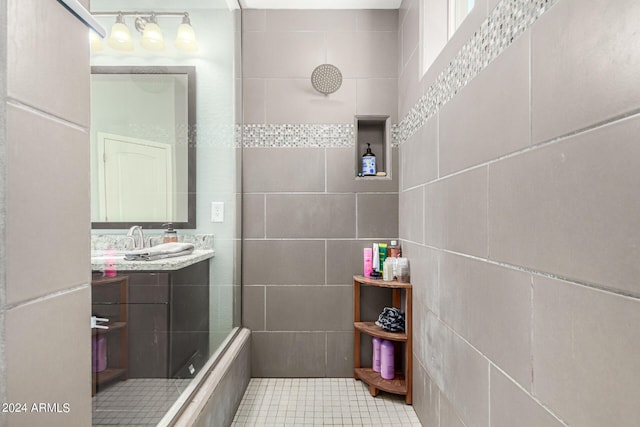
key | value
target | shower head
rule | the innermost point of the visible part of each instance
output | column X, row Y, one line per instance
column 326, row 78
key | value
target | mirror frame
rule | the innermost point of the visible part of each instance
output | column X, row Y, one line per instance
column 190, row 71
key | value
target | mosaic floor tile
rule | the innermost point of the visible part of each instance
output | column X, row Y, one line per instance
column 320, row 402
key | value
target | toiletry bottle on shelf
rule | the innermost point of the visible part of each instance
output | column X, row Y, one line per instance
column 170, row 235
column 387, row 362
column 388, row 270
column 368, row 262
column 393, row 253
column 393, row 250
column 376, row 354
column 368, row 162
column 98, row 353
column 382, row 248
column 376, row 257
column 402, row 270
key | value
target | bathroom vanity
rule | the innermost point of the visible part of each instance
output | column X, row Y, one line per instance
column 168, row 334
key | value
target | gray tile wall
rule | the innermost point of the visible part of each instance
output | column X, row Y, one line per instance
column 306, row 218
column 518, row 211
column 45, row 349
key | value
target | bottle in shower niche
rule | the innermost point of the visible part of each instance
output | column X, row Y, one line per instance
column 387, row 361
column 368, row 162
column 376, row 354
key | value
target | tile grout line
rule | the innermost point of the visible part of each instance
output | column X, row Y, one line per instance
column 264, row 297
column 539, row 273
column 537, row 146
column 265, row 216
column 532, row 331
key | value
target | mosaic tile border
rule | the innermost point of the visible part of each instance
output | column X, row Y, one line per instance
column 303, row 135
column 298, row 135
column 508, row 20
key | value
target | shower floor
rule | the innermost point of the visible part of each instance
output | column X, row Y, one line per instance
column 136, row 401
column 320, row 402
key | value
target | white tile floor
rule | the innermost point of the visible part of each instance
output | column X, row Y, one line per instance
column 136, row 401
column 320, row 402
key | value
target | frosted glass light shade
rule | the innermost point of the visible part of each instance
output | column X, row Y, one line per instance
column 94, row 42
column 152, row 37
column 120, row 37
column 186, row 38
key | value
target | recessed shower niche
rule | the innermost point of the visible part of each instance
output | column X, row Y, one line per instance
column 373, row 132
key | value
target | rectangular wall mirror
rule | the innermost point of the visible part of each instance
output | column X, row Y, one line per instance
column 143, row 159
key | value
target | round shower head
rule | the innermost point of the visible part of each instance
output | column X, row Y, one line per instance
column 326, row 78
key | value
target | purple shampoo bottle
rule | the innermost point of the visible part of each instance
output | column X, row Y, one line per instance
column 376, row 353
column 387, row 362
column 99, row 354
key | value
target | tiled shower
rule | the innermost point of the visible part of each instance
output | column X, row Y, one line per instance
column 515, row 165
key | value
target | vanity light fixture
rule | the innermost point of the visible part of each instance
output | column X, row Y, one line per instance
column 95, row 42
column 151, row 34
column 186, row 37
column 120, row 37
column 147, row 24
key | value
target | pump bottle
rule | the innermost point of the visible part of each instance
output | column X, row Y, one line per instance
column 170, row 235
column 368, row 162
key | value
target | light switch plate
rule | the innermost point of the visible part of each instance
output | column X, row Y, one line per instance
column 217, row 211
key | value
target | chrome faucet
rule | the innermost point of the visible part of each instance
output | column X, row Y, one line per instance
column 138, row 241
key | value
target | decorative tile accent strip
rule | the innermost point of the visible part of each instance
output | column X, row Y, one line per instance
column 237, row 135
column 298, row 135
column 507, row 21
column 304, row 135
column 395, row 129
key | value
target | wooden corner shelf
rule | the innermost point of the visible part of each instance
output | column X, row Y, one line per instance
column 394, row 284
column 370, row 328
column 402, row 382
column 398, row 385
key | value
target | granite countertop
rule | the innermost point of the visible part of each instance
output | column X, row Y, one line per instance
column 117, row 261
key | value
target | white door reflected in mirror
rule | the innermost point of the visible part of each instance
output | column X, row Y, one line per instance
column 135, row 179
